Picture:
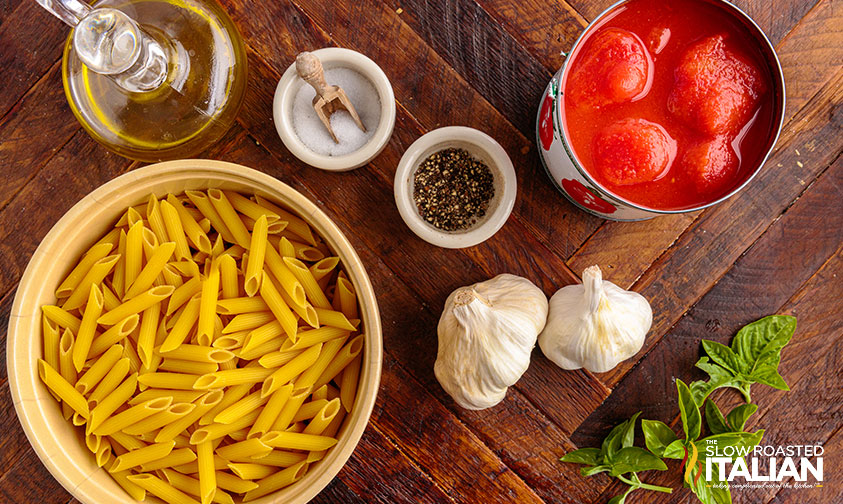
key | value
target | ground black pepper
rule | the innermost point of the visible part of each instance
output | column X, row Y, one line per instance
column 452, row 190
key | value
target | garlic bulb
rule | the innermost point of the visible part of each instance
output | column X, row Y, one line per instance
column 486, row 333
column 595, row 325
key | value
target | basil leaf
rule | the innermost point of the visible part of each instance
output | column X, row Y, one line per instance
column 714, row 418
column 770, row 376
column 590, row 471
column 764, row 337
column 675, row 450
column 723, row 355
column 588, row 456
column 629, row 431
column 612, row 442
column 618, row 499
column 688, row 410
column 739, row 415
column 634, row 459
column 657, row 436
column 715, row 371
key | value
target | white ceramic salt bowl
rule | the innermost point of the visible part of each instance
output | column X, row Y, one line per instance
column 484, row 148
column 291, row 83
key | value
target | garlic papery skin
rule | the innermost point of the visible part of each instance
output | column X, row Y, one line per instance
column 595, row 325
column 486, row 334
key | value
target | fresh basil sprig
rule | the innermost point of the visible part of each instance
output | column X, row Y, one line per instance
column 754, row 357
column 619, row 457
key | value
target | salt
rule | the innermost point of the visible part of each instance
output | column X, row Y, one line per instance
column 309, row 128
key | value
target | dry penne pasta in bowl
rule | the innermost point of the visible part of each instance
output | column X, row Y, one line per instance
column 194, row 332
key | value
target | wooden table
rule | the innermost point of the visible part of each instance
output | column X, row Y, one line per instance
column 777, row 247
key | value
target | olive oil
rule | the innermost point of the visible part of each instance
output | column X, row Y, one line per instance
column 196, row 102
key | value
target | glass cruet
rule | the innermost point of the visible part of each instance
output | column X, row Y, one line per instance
column 152, row 79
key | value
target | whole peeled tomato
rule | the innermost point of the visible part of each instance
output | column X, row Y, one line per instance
column 711, row 164
column 632, row 151
column 715, row 90
column 586, row 198
column 613, row 67
column 546, row 123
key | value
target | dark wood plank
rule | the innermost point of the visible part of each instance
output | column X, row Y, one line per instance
column 337, row 491
column 13, row 443
column 766, row 276
column 811, row 54
column 65, row 179
column 6, row 8
column 32, row 40
column 776, row 17
column 831, row 472
column 381, row 473
column 717, row 238
column 484, row 54
column 32, row 132
column 546, row 29
column 29, row 481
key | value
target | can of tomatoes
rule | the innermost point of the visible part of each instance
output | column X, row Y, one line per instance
column 661, row 108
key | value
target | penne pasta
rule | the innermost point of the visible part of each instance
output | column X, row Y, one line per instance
column 177, row 457
column 207, row 475
column 342, row 359
column 192, row 229
column 200, row 199
column 238, row 305
column 291, row 407
column 175, row 230
column 154, row 267
column 311, row 374
column 72, row 280
column 159, row 488
column 208, row 306
column 349, row 383
column 191, row 486
column 146, row 335
column 205, row 403
column 323, row 418
column 290, row 370
column 160, row 419
column 288, row 282
column 277, row 481
column 244, row 451
column 113, row 335
column 105, row 363
column 248, row 321
column 295, row 224
column 257, row 251
column 134, row 253
column 103, row 406
column 186, row 320
column 62, row 388
column 251, row 471
column 140, row 456
column 280, row 458
column 85, row 336
column 278, row 307
column 178, row 381
column 136, row 304
column 229, row 377
column 155, row 219
column 94, row 276
column 323, row 268
column 229, row 217
column 244, row 406
column 66, row 368
column 198, row 353
column 183, row 294
column 136, row 413
column 228, row 277
column 297, row 441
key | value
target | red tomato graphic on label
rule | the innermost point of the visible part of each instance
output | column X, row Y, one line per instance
column 586, row 198
column 546, row 123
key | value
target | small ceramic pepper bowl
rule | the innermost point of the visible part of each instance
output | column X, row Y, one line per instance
column 290, row 84
column 483, row 148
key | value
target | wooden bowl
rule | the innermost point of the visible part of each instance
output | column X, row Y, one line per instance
column 59, row 445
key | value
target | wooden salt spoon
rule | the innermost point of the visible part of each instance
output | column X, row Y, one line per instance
column 328, row 99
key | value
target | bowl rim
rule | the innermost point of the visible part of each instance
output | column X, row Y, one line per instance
column 336, row 57
column 454, row 135
column 20, row 368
